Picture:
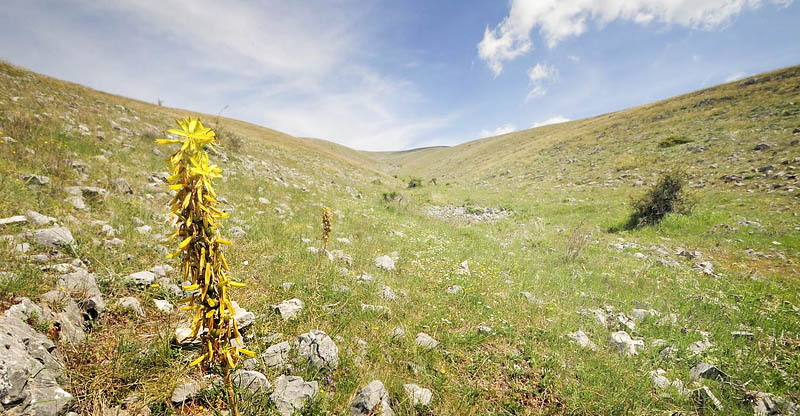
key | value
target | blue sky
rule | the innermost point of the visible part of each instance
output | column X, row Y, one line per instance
column 389, row 75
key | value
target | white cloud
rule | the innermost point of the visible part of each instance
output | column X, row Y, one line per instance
column 537, row 76
column 302, row 68
column 557, row 20
column 504, row 129
column 551, row 120
column 735, row 77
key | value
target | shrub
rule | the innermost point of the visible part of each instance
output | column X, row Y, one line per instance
column 389, row 197
column 666, row 196
column 415, row 183
column 674, row 141
column 194, row 209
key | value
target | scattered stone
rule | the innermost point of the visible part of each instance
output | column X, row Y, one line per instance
column 530, row 297
column 658, row 378
column 700, row 346
column 15, row 220
column 387, row 293
column 767, row 404
column 426, row 341
column 28, row 371
column 705, row 267
column 762, row 146
column 708, row 371
column 144, row 278
column 642, row 314
column 704, row 397
column 365, row 277
column 237, row 232
column 455, row 290
column 244, row 318
column 185, row 392
column 83, row 286
column 161, row 270
column 39, row 219
column 122, row 186
column 621, row 341
column 163, row 305
column 36, row 179
column 398, row 332
column 318, row 349
column 668, row 352
column 144, row 229
column 743, row 334
column 598, row 315
column 372, row 400
column 288, row 309
column 287, row 286
column 463, row 268
column 132, row 304
column 625, row 321
column 253, row 381
column 384, row 262
column 580, row 338
column 484, row 330
column 292, row 393
column 375, row 308
column 54, row 237
column 277, row 356
column 183, row 337
column 417, row 395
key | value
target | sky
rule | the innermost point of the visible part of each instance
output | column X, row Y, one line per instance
column 393, row 75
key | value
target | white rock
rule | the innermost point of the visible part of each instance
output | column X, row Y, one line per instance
column 292, row 393
column 288, row 309
column 163, row 305
column 144, row 278
column 384, row 262
column 372, row 400
column 426, row 341
column 621, row 341
column 417, row 395
column 580, row 338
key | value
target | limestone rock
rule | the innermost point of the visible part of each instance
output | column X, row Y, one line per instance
column 372, row 400
column 288, row 309
column 318, row 349
column 54, row 237
column 417, row 395
column 132, row 304
column 384, row 262
column 185, row 392
column 143, row 278
column 580, row 338
column 251, row 380
column 277, row 356
column 292, row 393
column 426, row 341
column 621, row 341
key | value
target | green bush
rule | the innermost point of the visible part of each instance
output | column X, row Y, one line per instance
column 674, row 141
column 415, row 183
column 666, row 196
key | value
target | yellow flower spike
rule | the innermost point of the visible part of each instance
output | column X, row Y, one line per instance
column 198, row 360
column 185, row 242
column 195, row 213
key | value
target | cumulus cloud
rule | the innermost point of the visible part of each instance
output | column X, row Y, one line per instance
column 551, row 120
column 557, row 20
column 538, row 75
column 504, row 129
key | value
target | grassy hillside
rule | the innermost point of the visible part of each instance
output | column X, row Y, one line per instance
column 711, row 133
column 529, row 213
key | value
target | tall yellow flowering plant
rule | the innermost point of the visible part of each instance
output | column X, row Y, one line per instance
column 194, row 210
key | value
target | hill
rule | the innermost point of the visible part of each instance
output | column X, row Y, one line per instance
column 504, row 286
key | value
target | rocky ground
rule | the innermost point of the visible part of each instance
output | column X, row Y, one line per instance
column 468, row 298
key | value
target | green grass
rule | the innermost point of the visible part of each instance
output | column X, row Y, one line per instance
column 526, row 365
